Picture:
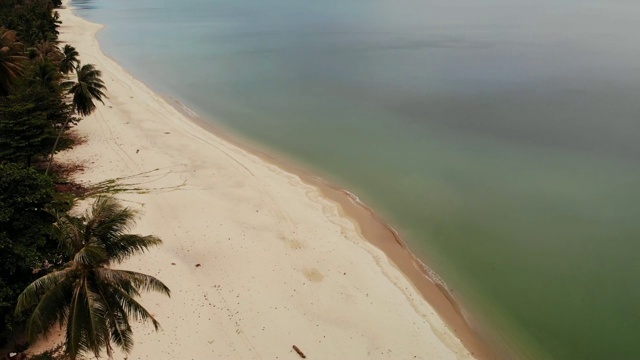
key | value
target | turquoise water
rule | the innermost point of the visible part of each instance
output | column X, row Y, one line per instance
column 502, row 138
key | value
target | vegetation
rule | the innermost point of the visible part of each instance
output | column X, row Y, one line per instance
column 69, row 60
column 10, row 60
column 26, row 234
column 94, row 300
column 87, row 88
column 25, row 131
column 72, row 284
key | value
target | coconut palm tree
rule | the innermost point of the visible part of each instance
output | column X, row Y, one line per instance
column 10, row 59
column 69, row 59
column 45, row 73
column 88, row 88
column 92, row 300
column 48, row 50
column 10, row 69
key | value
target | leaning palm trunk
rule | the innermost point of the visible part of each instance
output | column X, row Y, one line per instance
column 88, row 88
column 55, row 145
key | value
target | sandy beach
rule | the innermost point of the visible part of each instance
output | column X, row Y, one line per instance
column 257, row 259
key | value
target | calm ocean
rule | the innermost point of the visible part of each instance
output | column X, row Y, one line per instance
column 501, row 137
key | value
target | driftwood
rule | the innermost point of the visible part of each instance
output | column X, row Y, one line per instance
column 302, row 355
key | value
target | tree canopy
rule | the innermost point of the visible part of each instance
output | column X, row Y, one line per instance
column 26, row 233
column 87, row 89
column 57, row 268
column 92, row 299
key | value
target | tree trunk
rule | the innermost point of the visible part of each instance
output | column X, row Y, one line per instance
column 55, row 144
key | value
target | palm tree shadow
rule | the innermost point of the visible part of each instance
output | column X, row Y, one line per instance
column 141, row 183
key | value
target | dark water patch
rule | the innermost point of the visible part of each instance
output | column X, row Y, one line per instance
column 86, row 4
column 592, row 119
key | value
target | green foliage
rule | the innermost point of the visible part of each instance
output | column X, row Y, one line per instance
column 48, row 50
column 28, row 122
column 26, row 26
column 45, row 74
column 92, row 299
column 69, row 61
column 87, row 88
column 24, row 131
column 11, row 60
column 79, row 287
column 31, row 109
column 32, row 19
column 25, row 233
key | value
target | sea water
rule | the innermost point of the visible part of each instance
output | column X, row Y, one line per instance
column 501, row 137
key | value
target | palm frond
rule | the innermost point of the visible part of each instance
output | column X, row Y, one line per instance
column 144, row 282
column 10, row 68
column 132, row 282
column 92, row 254
column 69, row 231
column 30, row 296
column 89, row 87
column 108, row 218
column 69, row 60
column 48, row 50
column 52, row 308
column 98, row 331
column 108, row 221
column 133, row 308
column 129, row 245
column 116, row 278
column 77, row 323
column 117, row 320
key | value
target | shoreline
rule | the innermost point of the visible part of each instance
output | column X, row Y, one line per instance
column 366, row 223
column 377, row 231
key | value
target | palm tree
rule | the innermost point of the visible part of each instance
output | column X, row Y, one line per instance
column 10, row 60
column 92, row 299
column 46, row 74
column 85, row 90
column 69, row 59
column 48, row 50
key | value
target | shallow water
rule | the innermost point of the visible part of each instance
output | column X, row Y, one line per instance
column 502, row 139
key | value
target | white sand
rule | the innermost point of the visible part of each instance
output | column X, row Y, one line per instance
column 279, row 265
